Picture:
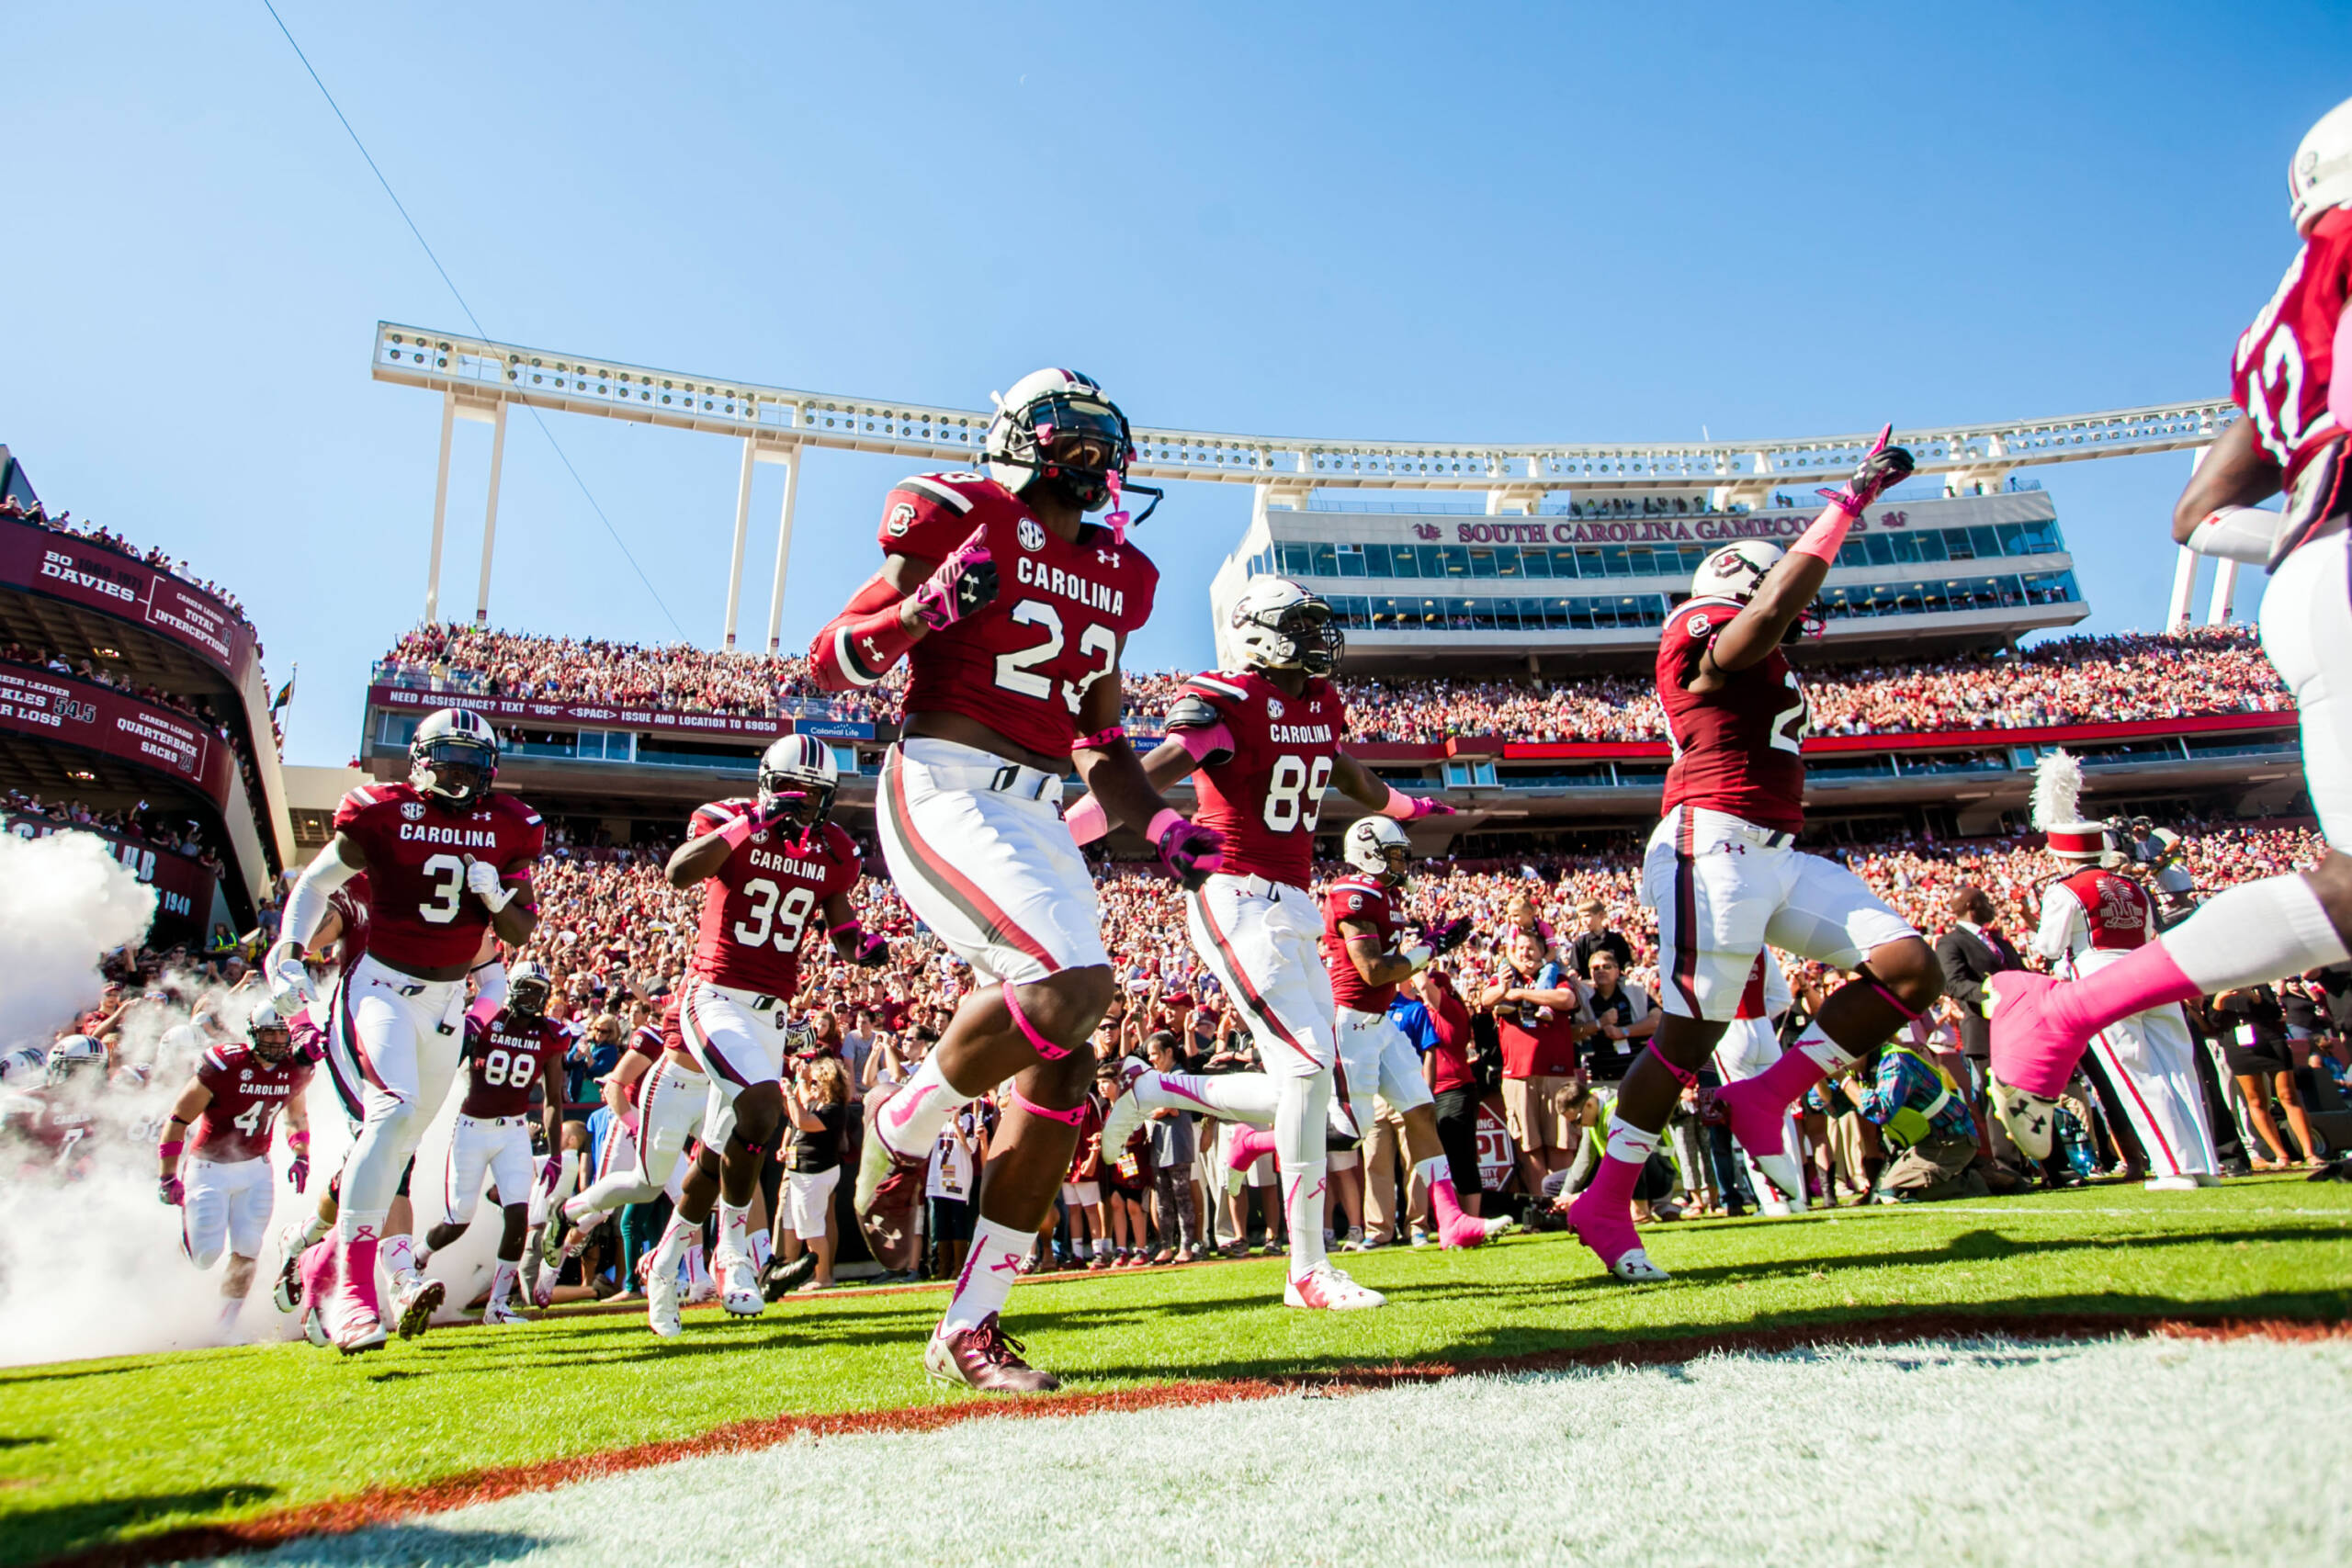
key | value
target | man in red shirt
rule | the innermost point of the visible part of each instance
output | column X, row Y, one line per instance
column 1011, row 610
column 1534, row 1001
column 1724, row 875
column 232, row 1101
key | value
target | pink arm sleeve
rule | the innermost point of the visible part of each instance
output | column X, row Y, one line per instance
column 1088, row 821
column 2339, row 386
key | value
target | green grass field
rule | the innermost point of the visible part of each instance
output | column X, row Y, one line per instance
column 103, row 1452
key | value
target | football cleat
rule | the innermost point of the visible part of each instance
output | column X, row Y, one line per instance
column 1126, row 1116
column 501, row 1314
column 984, row 1358
column 877, row 1164
column 1470, row 1230
column 285, row 1291
column 739, row 1285
column 1615, row 1242
column 1324, row 1288
column 417, row 1299
column 2170, row 1184
column 2030, row 1118
column 1763, row 1130
column 782, row 1278
column 661, row 1307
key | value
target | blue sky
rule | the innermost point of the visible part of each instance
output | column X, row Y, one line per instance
column 1498, row 222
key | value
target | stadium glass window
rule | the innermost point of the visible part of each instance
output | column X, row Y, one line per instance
column 1297, row 560
column 2050, row 588
column 1456, row 559
column 1430, row 559
column 1326, row 561
column 1929, row 544
column 1352, row 561
column 2013, row 539
column 1430, row 613
column 1615, row 561
column 2042, row 537
column 1958, row 545
column 1879, row 548
column 1503, row 614
column 1853, row 552
column 1506, row 560
column 1589, row 563
column 1535, row 563
column 1380, row 560
column 1531, row 616
column 1985, row 541
column 1482, row 561
column 1903, row 547
column 1352, row 612
column 1638, row 562
column 1564, row 563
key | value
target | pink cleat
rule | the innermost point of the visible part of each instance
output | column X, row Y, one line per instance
column 2035, row 1051
column 1760, row 1120
column 1614, row 1240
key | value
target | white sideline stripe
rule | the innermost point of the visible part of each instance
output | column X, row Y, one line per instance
column 1994, row 1450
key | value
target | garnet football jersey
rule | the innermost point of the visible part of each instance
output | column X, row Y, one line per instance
column 421, row 915
column 1020, row 665
column 2118, row 914
column 2286, row 360
column 1362, row 900
column 247, row 1094
column 1737, row 748
column 1266, row 794
column 505, row 1055
column 766, row 902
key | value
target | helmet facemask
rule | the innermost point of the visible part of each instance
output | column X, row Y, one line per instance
column 455, row 770
column 273, row 1041
column 528, row 995
column 1304, row 638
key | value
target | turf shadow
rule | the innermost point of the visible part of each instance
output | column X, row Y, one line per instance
column 34, row 1535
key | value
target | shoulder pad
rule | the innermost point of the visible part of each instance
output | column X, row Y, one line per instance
column 1193, row 711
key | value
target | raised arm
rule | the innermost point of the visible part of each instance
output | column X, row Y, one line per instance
column 1114, row 774
column 1792, row 583
column 2216, row 514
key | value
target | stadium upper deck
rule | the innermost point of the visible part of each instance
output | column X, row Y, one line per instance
column 132, row 698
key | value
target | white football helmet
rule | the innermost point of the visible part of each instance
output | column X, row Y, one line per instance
column 529, row 988
column 453, row 757
column 1056, row 425
column 272, row 1039
column 1377, row 847
column 22, row 1068
column 2320, row 177
column 1277, row 625
column 1736, row 570
column 74, row 1054
column 800, row 770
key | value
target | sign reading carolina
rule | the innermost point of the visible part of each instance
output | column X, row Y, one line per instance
column 1658, row 530
column 78, row 713
column 41, row 560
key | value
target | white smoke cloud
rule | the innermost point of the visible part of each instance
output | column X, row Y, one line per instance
column 65, row 902
column 93, row 1266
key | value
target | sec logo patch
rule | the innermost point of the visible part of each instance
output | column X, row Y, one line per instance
column 1033, row 533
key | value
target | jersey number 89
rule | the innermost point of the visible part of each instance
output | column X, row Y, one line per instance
column 1294, row 793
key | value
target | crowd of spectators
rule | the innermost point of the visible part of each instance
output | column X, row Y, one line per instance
column 200, row 710
column 180, row 835
column 2072, row 680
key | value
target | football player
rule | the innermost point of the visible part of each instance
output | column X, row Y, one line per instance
column 219, row 1135
column 1264, row 742
column 779, row 868
column 1724, row 878
column 508, row 1049
column 1011, row 609
column 622, row 1171
column 2283, row 376
column 446, row 861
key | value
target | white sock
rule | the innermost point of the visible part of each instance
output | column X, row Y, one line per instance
column 1823, row 1052
column 1237, row 1096
column 399, row 1253
column 910, row 1120
column 1629, row 1142
column 990, row 1267
column 1432, row 1171
column 671, row 1250
column 763, row 1248
column 697, row 1266
column 2253, row 932
column 313, row 1229
column 230, row 1307
column 1303, row 1186
column 501, row 1283
column 419, row 1255
column 1084, row 1248
column 734, row 1230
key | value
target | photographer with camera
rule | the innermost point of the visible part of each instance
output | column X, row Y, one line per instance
column 817, row 1103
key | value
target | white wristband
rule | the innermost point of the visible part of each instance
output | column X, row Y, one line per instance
column 1418, row 957
column 2248, row 534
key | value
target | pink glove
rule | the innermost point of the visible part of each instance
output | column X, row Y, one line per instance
column 171, row 1191
column 1191, row 853
column 1403, row 807
column 961, row 585
column 1447, row 935
column 1882, row 467
column 873, row 951
column 550, row 1169
column 299, row 1171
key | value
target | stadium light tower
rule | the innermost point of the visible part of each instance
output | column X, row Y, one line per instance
column 478, row 378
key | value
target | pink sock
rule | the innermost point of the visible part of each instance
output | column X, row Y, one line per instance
column 1454, row 1228
column 1249, row 1144
column 1790, row 1076
column 1613, row 1185
column 2143, row 979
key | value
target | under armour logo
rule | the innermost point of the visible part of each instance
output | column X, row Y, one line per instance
column 1107, row 557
